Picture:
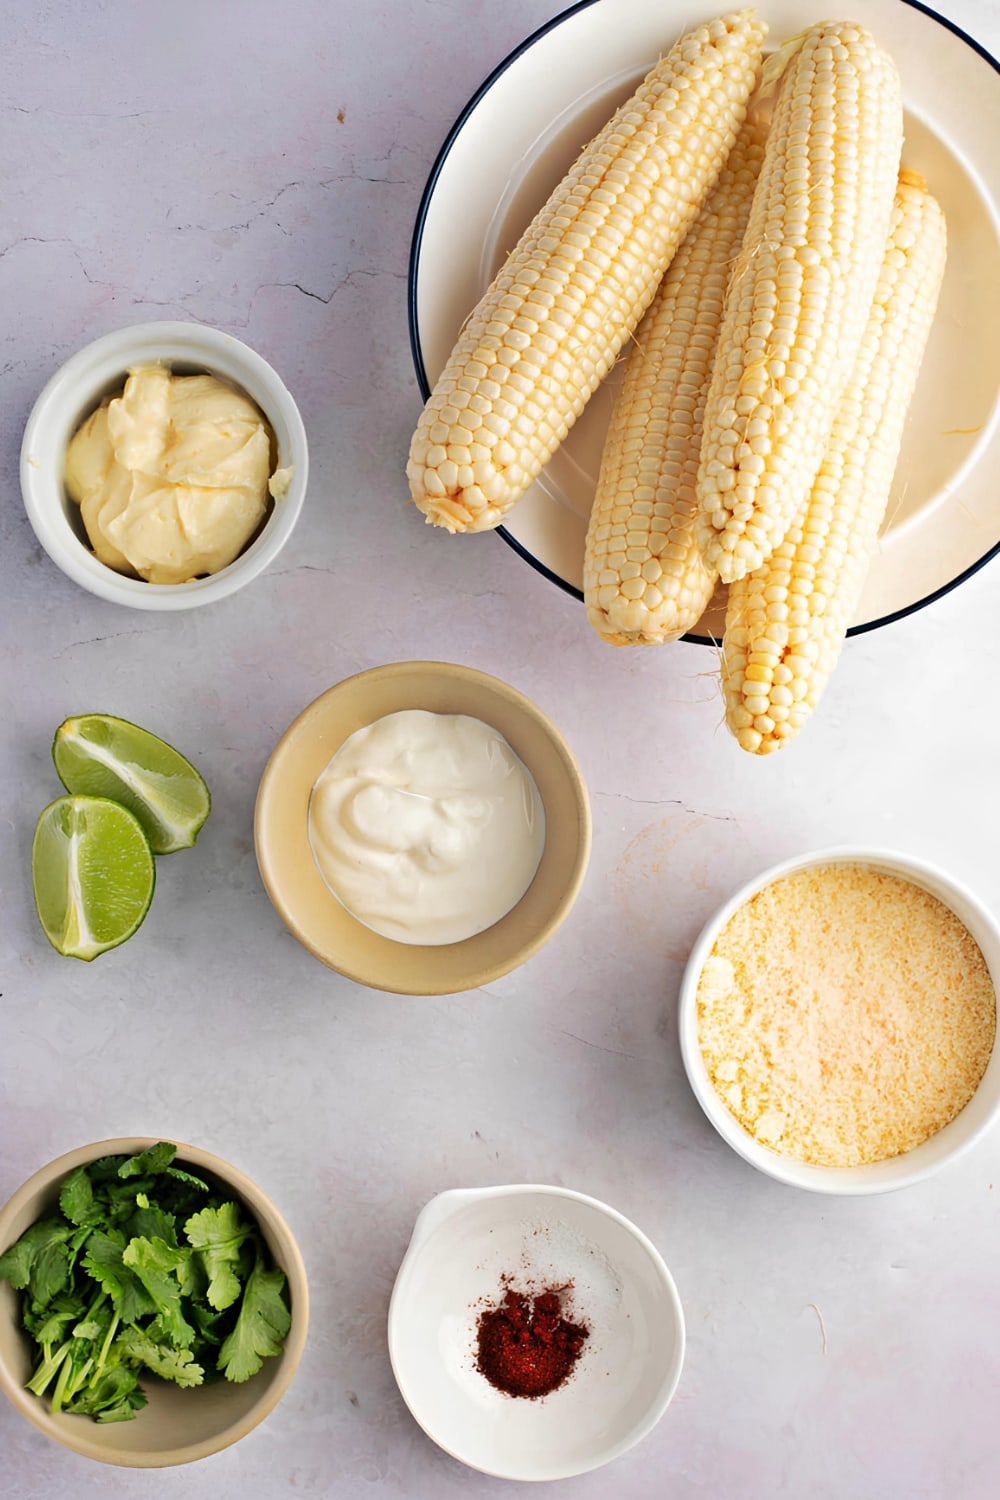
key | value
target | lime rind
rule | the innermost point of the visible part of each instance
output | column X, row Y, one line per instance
column 100, row 755
column 93, row 874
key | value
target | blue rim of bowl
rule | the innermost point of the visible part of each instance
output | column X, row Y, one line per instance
column 417, row 353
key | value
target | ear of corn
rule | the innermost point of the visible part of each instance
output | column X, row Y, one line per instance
column 576, row 285
column 801, row 293
column 786, row 622
column 644, row 580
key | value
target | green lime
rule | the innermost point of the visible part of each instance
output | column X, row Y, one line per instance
column 93, row 873
column 98, row 755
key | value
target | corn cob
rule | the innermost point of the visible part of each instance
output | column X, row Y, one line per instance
column 786, row 622
column 574, row 288
column 799, row 299
column 643, row 578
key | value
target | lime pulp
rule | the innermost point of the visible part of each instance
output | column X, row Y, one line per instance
column 93, row 874
column 98, row 755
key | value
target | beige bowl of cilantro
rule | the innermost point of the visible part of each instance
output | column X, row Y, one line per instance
column 153, row 1303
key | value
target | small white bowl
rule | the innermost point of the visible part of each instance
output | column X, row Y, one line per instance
column 896, row 1171
column 464, row 1242
column 97, row 371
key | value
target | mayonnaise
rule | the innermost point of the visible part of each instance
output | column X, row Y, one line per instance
column 172, row 475
column 427, row 827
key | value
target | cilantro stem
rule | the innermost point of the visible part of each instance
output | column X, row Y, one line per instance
column 59, row 1394
column 78, row 1379
column 43, row 1375
column 99, row 1370
column 102, row 1296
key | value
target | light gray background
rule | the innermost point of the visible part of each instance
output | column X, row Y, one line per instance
column 258, row 168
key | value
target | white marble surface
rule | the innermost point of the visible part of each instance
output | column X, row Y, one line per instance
column 259, row 168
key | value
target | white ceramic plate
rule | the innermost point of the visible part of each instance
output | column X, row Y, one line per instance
column 523, row 128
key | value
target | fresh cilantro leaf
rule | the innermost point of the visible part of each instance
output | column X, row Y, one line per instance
column 39, row 1261
column 109, row 1393
column 180, row 1175
column 125, row 1410
column 262, row 1325
column 208, row 1323
column 217, row 1234
column 150, row 1222
column 104, row 1262
column 49, row 1327
column 155, row 1262
column 90, row 1328
column 170, row 1364
column 15, row 1263
column 79, row 1237
column 251, row 1251
column 156, row 1159
column 76, row 1199
column 50, row 1272
column 121, row 1201
column 104, row 1168
column 192, row 1279
column 154, row 1254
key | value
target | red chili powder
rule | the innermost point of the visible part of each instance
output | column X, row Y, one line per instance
column 525, row 1346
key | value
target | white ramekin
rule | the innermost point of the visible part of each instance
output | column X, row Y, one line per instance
column 896, row 1171
column 97, row 371
column 465, row 1242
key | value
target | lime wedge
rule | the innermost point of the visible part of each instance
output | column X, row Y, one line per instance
column 93, row 873
column 97, row 755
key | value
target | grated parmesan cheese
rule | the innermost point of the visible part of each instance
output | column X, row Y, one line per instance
column 845, row 1015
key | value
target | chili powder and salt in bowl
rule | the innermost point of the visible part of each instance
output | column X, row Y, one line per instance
column 838, row 1021
column 308, row 906
column 617, row 1317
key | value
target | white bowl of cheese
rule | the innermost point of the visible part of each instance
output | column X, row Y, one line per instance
column 838, row 1020
column 188, row 474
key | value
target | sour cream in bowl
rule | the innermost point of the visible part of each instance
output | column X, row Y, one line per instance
column 422, row 828
column 427, row 826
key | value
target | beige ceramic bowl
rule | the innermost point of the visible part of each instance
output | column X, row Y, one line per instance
column 314, row 914
column 177, row 1425
column 99, row 370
